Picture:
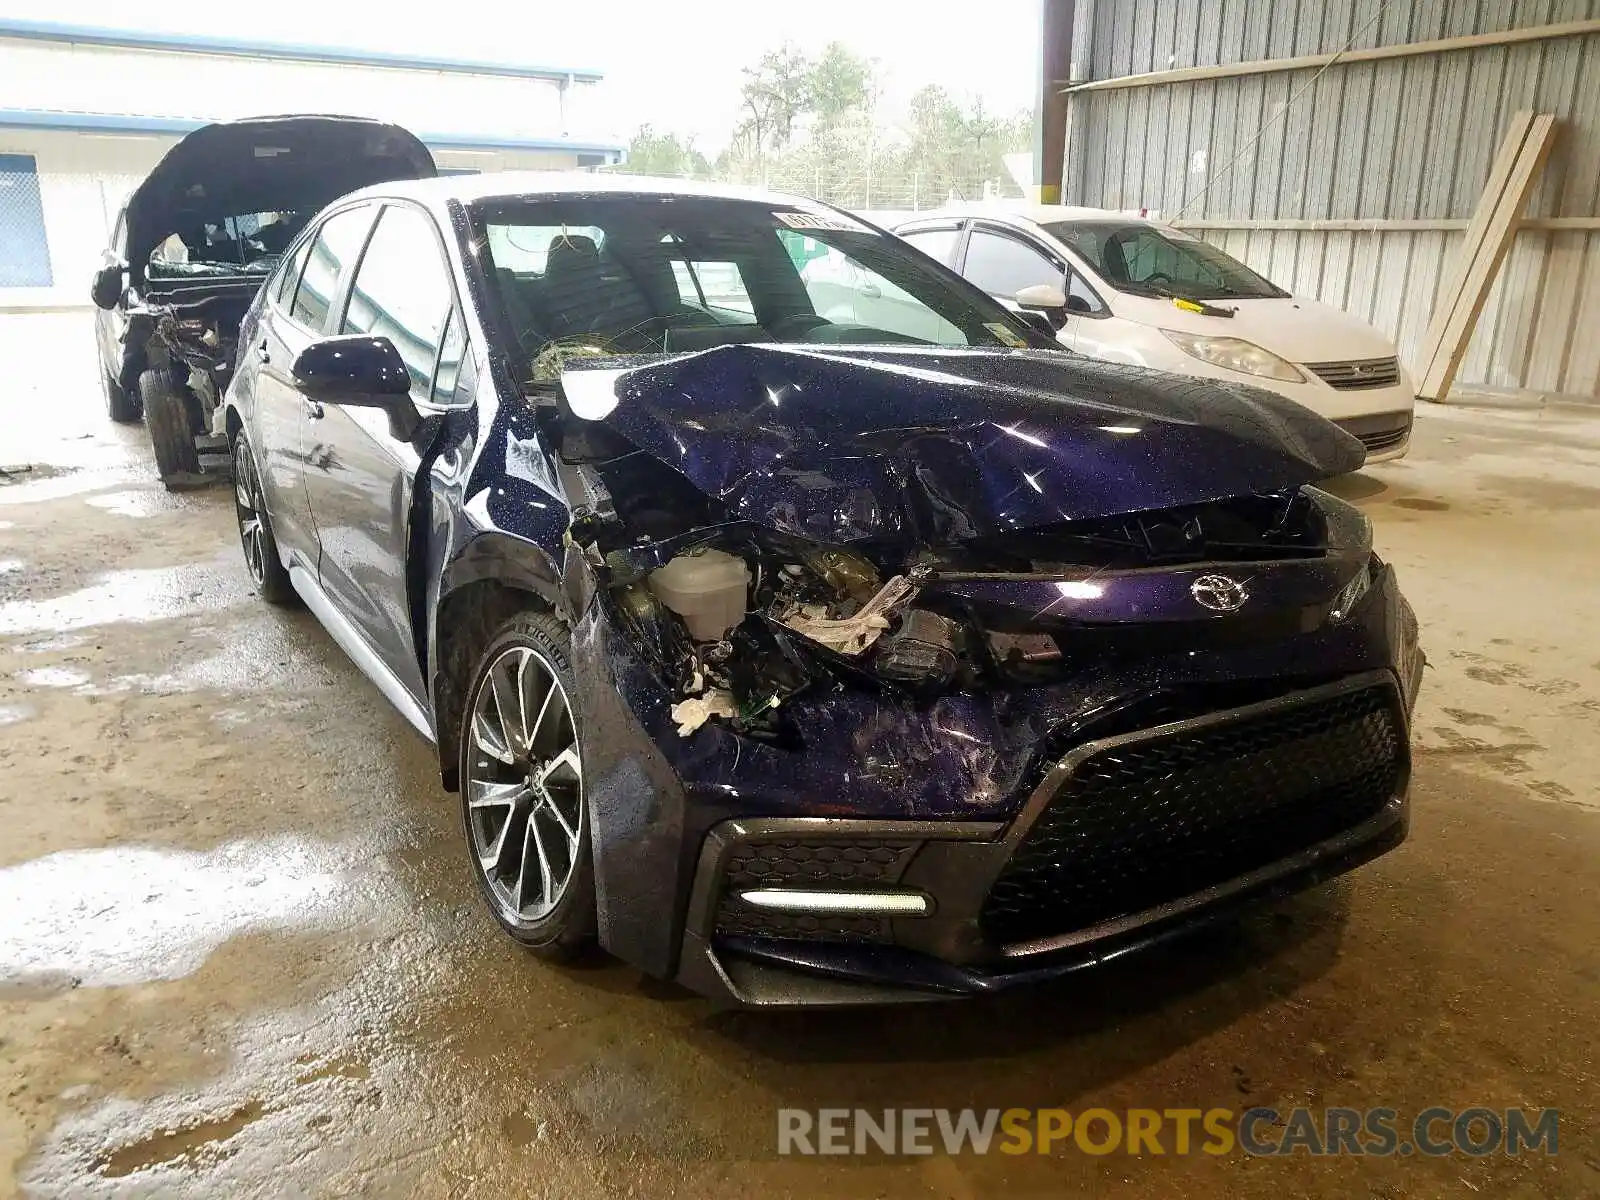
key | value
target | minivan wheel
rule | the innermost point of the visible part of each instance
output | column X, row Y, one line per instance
column 121, row 405
column 261, row 559
column 167, row 417
column 522, row 799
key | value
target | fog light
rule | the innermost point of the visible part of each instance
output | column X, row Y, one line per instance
column 857, row 904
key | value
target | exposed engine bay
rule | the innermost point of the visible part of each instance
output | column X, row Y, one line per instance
column 737, row 617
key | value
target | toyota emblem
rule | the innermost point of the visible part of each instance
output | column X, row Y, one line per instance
column 1219, row 593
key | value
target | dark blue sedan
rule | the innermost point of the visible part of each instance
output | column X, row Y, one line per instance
column 790, row 619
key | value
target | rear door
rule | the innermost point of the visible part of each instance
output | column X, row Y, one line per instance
column 360, row 475
column 297, row 315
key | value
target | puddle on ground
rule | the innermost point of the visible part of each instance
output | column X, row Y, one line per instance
column 10, row 714
column 149, row 594
column 131, row 914
column 53, row 677
column 48, row 483
column 9, row 566
column 142, row 503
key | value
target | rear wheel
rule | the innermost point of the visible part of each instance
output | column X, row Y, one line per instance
column 522, row 800
column 166, row 415
column 121, row 405
column 255, row 530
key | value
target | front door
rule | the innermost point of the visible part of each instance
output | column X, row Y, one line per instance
column 360, row 474
column 297, row 316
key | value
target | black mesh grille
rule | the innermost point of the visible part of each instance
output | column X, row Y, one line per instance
column 794, row 862
column 817, row 864
column 736, row 919
column 1148, row 822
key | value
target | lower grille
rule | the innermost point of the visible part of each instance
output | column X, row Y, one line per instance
column 812, row 864
column 1142, row 823
column 1357, row 373
column 1382, row 432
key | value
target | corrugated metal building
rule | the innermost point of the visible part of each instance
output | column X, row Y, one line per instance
column 1278, row 167
column 85, row 112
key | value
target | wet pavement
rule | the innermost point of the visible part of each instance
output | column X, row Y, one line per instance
column 240, row 952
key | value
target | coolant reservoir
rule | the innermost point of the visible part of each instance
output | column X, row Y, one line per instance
column 707, row 589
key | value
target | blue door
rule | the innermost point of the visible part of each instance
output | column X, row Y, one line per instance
column 24, row 255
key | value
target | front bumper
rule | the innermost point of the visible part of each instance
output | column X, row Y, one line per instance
column 994, row 891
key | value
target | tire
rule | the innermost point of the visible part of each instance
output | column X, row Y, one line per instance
column 121, row 406
column 261, row 559
column 166, row 415
column 500, row 800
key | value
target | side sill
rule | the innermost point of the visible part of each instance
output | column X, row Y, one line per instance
column 353, row 644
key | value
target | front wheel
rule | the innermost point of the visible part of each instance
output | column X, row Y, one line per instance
column 166, row 416
column 255, row 530
column 522, row 800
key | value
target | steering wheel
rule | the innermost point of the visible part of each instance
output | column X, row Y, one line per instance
column 1158, row 277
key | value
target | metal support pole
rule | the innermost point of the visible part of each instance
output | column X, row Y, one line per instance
column 1050, row 106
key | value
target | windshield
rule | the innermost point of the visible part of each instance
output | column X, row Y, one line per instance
column 249, row 243
column 1147, row 260
column 667, row 274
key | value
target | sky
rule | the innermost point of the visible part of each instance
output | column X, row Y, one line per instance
column 673, row 63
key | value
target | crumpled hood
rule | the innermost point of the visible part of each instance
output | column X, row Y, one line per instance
column 264, row 164
column 932, row 446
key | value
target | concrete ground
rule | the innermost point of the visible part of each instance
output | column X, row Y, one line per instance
column 240, row 952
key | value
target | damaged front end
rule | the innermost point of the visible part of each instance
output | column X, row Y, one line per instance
column 865, row 619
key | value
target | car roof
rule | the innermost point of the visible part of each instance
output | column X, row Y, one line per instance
column 1021, row 214
column 516, row 185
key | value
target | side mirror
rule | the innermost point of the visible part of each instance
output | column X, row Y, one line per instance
column 1042, row 296
column 359, row 371
column 1037, row 321
column 106, row 289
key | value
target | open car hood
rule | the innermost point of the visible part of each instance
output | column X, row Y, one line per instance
column 264, row 164
column 924, row 447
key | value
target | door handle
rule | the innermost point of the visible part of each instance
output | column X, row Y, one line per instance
column 313, row 409
column 263, row 353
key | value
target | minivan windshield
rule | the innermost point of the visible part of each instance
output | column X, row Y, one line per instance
column 592, row 275
column 1147, row 260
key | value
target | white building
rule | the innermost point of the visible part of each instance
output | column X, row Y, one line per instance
column 85, row 112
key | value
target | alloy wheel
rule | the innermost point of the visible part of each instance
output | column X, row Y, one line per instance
column 524, row 799
column 247, row 501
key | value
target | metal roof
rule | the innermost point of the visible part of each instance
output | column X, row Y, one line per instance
column 82, row 122
column 190, row 43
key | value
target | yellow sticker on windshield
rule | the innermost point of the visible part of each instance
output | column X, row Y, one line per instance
column 1006, row 334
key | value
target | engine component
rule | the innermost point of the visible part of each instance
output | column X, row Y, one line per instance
column 707, row 588
column 922, row 650
column 846, row 574
column 694, row 712
column 1019, row 649
column 852, row 635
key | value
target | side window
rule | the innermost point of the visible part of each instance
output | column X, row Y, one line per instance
column 331, row 252
column 1003, row 266
column 289, row 275
column 402, row 292
column 718, row 285
column 451, row 351
column 935, row 243
column 1079, row 290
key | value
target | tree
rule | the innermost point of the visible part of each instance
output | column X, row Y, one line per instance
column 840, row 83
column 775, row 92
column 652, row 153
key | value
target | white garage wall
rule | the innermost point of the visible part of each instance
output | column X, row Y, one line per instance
column 83, row 179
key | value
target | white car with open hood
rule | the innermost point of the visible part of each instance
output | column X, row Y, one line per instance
column 1136, row 291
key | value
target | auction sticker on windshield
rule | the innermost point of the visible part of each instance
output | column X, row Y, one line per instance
column 800, row 220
